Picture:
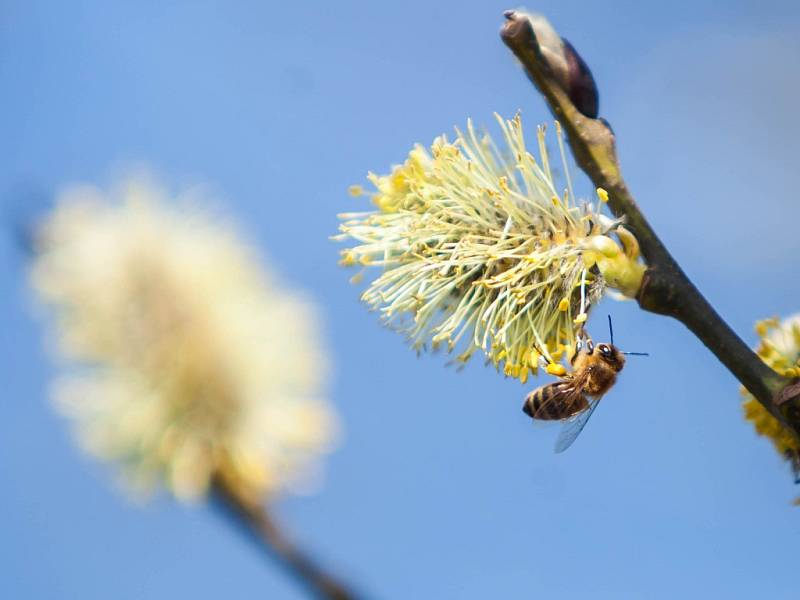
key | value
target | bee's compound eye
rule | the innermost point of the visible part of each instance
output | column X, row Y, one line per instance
column 604, row 349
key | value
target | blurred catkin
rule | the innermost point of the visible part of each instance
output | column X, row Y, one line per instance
column 184, row 359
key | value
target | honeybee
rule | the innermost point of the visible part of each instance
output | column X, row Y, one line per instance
column 574, row 398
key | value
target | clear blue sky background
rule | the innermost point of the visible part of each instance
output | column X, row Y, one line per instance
column 442, row 489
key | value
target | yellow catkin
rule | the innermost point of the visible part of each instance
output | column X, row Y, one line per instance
column 779, row 348
column 476, row 247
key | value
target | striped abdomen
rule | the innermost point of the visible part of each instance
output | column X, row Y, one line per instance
column 555, row 401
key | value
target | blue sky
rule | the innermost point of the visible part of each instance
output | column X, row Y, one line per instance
column 441, row 489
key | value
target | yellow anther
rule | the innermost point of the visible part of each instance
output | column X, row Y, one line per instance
column 464, row 356
column 355, row 191
column 581, row 318
column 763, row 326
column 602, row 194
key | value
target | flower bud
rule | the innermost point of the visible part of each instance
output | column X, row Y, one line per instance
column 564, row 63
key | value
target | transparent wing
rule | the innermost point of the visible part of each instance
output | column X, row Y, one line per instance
column 573, row 427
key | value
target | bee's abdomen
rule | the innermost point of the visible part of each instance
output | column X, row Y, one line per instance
column 554, row 402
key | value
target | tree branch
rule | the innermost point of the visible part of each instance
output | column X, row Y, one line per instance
column 257, row 522
column 665, row 287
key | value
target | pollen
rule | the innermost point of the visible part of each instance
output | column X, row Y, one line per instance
column 555, row 369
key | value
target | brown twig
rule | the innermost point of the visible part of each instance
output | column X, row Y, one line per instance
column 268, row 535
column 665, row 287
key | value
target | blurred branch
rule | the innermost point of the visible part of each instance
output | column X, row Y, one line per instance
column 258, row 524
column 665, row 289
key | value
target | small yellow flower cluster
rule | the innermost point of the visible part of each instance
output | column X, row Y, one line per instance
column 780, row 349
column 188, row 362
column 481, row 251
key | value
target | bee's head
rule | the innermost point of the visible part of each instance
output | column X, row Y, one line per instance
column 608, row 353
column 611, row 355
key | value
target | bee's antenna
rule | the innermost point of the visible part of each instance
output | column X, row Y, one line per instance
column 611, row 333
column 611, row 330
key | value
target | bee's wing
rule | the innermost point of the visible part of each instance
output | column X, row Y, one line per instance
column 573, row 426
